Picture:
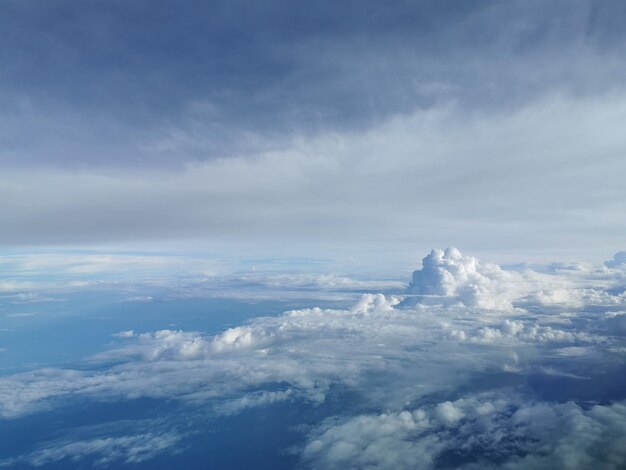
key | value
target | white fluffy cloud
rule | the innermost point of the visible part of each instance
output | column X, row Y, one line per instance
column 471, row 326
column 429, row 347
column 448, row 275
column 489, row 430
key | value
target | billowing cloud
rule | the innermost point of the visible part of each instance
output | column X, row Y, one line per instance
column 308, row 350
column 618, row 261
column 491, row 430
column 472, row 381
column 448, row 275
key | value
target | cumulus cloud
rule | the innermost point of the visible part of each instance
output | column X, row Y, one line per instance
column 618, row 261
column 448, row 275
column 459, row 380
column 576, row 298
column 577, row 286
column 526, row 331
column 235, row 338
column 159, row 345
column 308, row 350
column 490, row 430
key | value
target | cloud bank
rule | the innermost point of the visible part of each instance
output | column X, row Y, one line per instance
column 474, row 382
column 474, row 372
column 473, row 432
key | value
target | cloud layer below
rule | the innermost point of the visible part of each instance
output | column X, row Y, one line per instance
column 480, row 374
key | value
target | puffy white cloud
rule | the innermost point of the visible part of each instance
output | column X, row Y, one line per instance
column 525, row 331
column 375, row 303
column 371, row 441
column 573, row 298
column 448, row 413
column 408, row 362
column 159, row 345
column 239, row 337
column 489, row 430
column 448, row 275
column 430, row 347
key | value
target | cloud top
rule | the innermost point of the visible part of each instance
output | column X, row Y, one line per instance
column 618, row 261
column 448, row 275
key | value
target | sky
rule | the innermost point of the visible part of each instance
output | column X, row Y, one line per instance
column 315, row 235
column 320, row 129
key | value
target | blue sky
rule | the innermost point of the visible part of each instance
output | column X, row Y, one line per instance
column 317, row 129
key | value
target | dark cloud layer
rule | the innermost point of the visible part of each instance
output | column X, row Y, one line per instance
column 486, row 125
column 94, row 81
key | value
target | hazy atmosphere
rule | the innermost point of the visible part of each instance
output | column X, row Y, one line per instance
column 277, row 234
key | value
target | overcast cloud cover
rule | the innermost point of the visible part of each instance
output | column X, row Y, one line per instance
column 356, row 127
column 212, row 215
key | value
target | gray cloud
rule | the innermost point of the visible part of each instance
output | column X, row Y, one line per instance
column 618, row 261
column 510, row 181
column 116, row 84
column 344, row 124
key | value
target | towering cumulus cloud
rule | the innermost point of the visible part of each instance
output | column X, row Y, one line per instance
column 448, row 276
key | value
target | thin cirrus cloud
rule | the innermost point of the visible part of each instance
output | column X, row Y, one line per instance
column 101, row 452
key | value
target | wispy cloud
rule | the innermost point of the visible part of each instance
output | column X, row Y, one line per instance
column 101, row 452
